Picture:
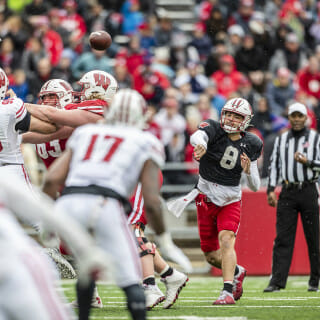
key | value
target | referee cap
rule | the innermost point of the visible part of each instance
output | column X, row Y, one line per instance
column 297, row 107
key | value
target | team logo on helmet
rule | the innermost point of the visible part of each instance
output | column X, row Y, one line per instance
column 98, row 84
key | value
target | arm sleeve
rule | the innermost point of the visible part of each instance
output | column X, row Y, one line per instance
column 274, row 167
column 253, row 179
column 199, row 137
column 23, row 125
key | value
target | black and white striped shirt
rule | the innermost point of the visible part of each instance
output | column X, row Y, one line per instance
column 284, row 167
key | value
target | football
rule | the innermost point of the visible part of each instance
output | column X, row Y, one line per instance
column 100, row 40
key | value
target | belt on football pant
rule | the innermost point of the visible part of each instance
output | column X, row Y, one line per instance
column 298, row 185
column 98, row 190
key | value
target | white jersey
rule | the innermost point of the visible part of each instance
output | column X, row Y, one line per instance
column 12, row 111
column 111, row 156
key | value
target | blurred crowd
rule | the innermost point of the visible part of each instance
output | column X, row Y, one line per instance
column 267, row 52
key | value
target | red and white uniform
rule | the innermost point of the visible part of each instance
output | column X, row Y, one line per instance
column 51, row 150
column 27, row 277
column 110, row 157
column 12, row 111
column 138, row 213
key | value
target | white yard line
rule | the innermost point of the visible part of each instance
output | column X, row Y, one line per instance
column 178, row 317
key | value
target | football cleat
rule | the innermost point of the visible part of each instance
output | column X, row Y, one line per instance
column 153, row 295
column 95, row 303
column 225, row 298
column 65, row 269
column 237, row 288
column 174, row 285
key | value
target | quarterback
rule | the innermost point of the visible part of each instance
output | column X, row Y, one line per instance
column 224, row 150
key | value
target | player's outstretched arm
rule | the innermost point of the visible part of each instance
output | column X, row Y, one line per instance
column 71, row 118
column 32, row 137
column 150, row 190
column 57, row 174
column 39, row 126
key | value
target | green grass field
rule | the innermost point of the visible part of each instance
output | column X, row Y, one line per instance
column 195, row 301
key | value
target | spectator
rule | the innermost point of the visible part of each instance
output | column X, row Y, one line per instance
column 20, row 85
column 280, row 91
column 182, row 83
column 164, row 31
column 169, row 120
column 43, row 73
column 161, row 62
column 17, row 31
column 134, row 55
column 228, row 77
column 123, row 77
column 147, row 40
column 262, row 119
column 33, row 52
column 236, row 35
column 74, row 24
column 217, row 100
column 180, row 52
column 308, row 78
column 243, row 15
column 204, row 107
column 55, row 16
column 247, row 92
column 51, row 39
column 132, row 17
column 292, row 56
column 249, row 57
column 9, row 58
column 216, row 24
column 201, row 41
column 93, row 60
column 36, row 8
column 151, row 84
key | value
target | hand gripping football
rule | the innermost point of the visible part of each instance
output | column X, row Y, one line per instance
column 100, row 40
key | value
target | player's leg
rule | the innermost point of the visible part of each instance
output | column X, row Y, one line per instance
column 228, row 220
column 172, row 278
column 113, row 234
column 147, row 251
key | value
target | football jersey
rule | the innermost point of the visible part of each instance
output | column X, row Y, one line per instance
column 111, row 156
column 12, row 111
column 221, row 164
column 51, row 150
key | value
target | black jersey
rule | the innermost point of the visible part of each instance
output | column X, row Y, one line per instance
column 221, row 164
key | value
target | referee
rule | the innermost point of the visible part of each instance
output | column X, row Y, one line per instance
column 295, row 161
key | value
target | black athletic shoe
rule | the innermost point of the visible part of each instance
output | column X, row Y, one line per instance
column 271, row 288
column 313, row 288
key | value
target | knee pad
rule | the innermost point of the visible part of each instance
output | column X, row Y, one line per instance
column 142, row 241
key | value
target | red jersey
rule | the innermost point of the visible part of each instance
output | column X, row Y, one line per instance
column 138, row 213
column 51, row 150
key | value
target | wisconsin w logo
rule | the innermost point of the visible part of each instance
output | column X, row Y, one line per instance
column 101, row 80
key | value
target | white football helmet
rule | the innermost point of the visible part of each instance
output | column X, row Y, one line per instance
column 4, row 83
column 129, row 108
column 240, row 106
column 98, row 82
column 61, row 88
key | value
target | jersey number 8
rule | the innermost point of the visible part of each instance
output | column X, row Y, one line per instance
column 229, row 158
